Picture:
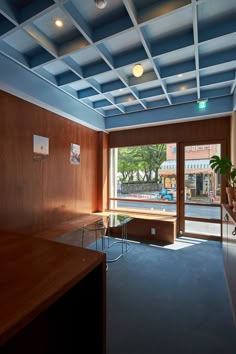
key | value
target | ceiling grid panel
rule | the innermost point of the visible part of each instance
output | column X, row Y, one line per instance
column 131, row 10
column 195, row 36
column 187, row 49
column 103, row 53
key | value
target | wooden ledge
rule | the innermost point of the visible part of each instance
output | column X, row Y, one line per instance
column 138, row 215
column 67, row 226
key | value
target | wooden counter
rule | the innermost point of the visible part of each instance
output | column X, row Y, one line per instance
column 51, row 296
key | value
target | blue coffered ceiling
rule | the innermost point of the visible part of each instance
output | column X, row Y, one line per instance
column 83, row 70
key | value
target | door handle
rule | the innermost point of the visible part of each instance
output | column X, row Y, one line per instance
column 234, row 232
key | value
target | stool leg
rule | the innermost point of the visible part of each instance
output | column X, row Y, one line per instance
column 96, row 240
column 104, row 233
column 83, row 238
column 102, row 237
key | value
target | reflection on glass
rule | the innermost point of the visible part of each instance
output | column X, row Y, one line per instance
column 145, row 207
column 203, row 228
column 202, row 185
column 202, row 211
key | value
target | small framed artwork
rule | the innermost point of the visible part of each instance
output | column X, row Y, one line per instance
column 40, row 147
column 74, row 154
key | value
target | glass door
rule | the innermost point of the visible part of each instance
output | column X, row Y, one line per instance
column 200, row 196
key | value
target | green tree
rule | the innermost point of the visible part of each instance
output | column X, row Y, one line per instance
column 126, row 164
column 141, row 163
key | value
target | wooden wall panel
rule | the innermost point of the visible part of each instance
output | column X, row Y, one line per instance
column 103, row 159
column 36, row 195
column 86, row 174
column 58, row 182
column 201, row 130
column 20, row 183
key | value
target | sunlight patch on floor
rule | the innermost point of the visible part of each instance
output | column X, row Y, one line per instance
column 180, row 243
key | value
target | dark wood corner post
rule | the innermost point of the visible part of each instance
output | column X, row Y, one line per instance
column 102, row 173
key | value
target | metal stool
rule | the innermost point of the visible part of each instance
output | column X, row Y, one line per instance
column 97, row 227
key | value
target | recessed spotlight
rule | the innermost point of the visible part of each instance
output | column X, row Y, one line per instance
column 137, row 70
column 101, row 4
column 59, row 23
column 180, row 75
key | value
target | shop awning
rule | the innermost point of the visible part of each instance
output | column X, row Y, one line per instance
column 191, row 166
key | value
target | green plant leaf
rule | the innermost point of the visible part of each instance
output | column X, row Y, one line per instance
column 224, row 166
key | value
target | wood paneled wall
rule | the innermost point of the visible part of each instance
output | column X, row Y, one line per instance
column 200, row 130
column 103, row 159
column 35, row 195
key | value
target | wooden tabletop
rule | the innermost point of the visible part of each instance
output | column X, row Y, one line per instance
column 34, row 273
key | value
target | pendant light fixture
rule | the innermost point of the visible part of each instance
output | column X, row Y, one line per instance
column 101, row 4
column 59, row 23
column 137, row 70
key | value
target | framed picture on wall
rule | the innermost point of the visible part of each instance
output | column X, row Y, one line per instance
column 74, row 154
column 40, row 147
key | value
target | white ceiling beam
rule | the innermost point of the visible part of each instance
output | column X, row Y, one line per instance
column 130, row 9
column 195, row 37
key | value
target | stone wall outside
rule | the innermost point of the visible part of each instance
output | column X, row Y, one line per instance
column 129, row 188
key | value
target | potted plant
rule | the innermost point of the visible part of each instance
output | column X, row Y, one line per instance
column 224, row 166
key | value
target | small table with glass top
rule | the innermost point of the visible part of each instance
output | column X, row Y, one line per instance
column 104, row 225
column 117, row 221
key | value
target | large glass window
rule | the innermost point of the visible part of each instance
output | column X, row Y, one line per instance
column 202, row 209
column 144, row 178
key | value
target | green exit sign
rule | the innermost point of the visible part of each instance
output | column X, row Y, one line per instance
column 202, row 104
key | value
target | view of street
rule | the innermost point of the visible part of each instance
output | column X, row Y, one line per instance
column 194, row 210
column 145, row 179
column 190, row 210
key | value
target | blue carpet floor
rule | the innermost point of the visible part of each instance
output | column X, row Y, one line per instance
column 169, row 299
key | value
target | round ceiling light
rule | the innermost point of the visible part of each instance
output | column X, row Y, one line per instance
column 59, row 23
column 101, row 4
column 137, row 70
